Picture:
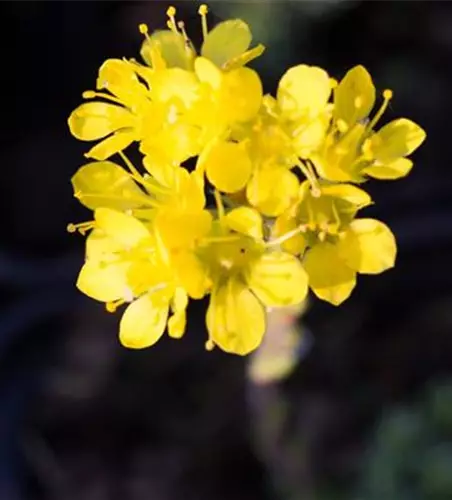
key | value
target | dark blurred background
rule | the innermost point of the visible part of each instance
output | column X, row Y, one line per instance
column 366, row 414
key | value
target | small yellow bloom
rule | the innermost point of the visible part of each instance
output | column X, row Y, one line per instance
column 154, row 243
column 115, row 122
column 352, row 150
column 333, row 244
column 226, row 45
column 247, row 277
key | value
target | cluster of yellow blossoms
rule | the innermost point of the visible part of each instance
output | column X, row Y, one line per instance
column 280, row 172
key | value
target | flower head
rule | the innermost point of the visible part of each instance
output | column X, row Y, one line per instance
column 281, row 170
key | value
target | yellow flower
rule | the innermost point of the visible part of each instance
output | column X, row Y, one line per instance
column 352, row 150
column 247, row 276
column 124, row 264
column 226, row 45
column 115, row 122
column 154, row 244
column 333, row 244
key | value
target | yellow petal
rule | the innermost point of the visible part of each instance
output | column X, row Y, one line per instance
column 354, row 97
column 119, row 78
column 121, row 227
column 348, row 193
column 396, row 139
column 105, row 282
column 245, row 220
column 241, row 94
column 329, row 277
column 393, row 170
column 177, row 322
column 272, row 190
column 369, row 246
column 150, row 274
column 311, row 135
column 112, row 145
column 181, row 229
column 94, row 120
column 244, row 58
column 143, row 322
column 191, row 274
column 228, row 167
column 226, row 41
column 99, row 246
column 235, row 318
column 175, row 82
column 284, row 224
column 278, row 279
column 175, row 52
column 208, row 73
column 304, row 91
column 106, row 184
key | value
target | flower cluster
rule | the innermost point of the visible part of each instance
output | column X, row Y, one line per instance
column 281, row 173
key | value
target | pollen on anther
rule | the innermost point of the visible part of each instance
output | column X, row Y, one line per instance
column 71, row 228
column 171, row 12
column 387, row 94
column 88, row 94
column 110, row 307
column 143, row 28
column 209, row 345
column 203, row 9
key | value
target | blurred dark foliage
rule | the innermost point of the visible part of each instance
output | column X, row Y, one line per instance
column 80, row 417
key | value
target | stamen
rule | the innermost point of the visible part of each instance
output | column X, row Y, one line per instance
column 286, row 236
column 156, row 56
column 113, row 305
column 151, row 187
column 144, row 30
column 309, row 173
column 219, row 203
column 181, row 26
column 90, row 94
column 82, row 227
column 171, row 13
column 387, row 96
column 202, row 11
column 209, row 345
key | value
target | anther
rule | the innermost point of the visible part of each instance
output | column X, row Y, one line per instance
column 387, row 96
column 171, row 12
column 209, row 345
column 89, row 94
column 202, row 11
column 143, row 29
column 181, row 26
column 111, row 307
column 82, row 228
